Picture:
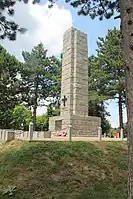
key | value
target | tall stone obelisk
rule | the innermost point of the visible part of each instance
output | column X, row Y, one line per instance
column 74, row 87
column 74, row 84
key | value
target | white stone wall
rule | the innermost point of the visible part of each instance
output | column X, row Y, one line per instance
column 8, row 135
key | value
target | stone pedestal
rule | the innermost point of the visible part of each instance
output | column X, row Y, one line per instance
column 80, row 126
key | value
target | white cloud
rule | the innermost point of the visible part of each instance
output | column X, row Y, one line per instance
column 44, row 25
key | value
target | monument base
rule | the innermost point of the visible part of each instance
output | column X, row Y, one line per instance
column 81, row 125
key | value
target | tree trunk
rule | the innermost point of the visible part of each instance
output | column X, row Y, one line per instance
column 126, row 9
column 35, row 106
column 34, row 115
column 92, row 109
column 120, row 111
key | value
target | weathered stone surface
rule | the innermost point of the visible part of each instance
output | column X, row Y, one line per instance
column 74, row 86
column 7, row 135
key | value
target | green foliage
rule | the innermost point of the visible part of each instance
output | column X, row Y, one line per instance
column 9, row 86
column 97, row 108
column 98, row 79
column 107, row 69
column 42, row 122
column 18, row 116
column 112, row 130
column 21, row 117
column 51, row 111
column 40, row 78
column 97, row 93
column 94, row 8
column 111, row 63
column 105, row 125
column 28, row 118
column 106, row 72
column 30, row 83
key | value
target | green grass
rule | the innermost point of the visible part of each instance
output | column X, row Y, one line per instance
column 57, row 170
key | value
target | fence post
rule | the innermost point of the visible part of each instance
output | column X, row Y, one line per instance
column 30, row 131
column 69, row 132
column 4, row 135
column 99, row 133
column 105, row 135
column 1, row 134
column 121, row 134
column 9, row 135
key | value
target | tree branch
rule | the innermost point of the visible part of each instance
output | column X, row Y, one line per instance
column 117, row 17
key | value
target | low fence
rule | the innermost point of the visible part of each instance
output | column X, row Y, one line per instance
column 64, row 134
column 8, row 135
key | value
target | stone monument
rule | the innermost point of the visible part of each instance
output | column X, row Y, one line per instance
column 74, row 88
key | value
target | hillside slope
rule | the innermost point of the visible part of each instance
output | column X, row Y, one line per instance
column 57, row 170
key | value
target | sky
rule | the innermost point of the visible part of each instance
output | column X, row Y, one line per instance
column 48, row 25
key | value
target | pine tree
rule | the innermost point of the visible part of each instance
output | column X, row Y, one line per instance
column 111, row 60
column 39, row 78
column 98, row 92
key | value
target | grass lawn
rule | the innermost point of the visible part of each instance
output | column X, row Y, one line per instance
column 57, row 170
